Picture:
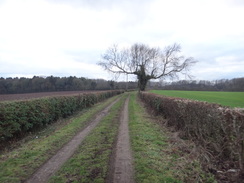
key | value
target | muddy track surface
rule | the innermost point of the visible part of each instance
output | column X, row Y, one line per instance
column 122, row 171
column 53, row 164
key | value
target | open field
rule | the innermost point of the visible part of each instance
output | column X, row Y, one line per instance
column 27, row 96
column 232, row 99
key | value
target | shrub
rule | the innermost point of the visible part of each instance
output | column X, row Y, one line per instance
column 19, row 117
column 218, row 130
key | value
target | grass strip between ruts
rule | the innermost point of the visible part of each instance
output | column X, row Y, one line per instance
column 19, row 164
column 90, row 163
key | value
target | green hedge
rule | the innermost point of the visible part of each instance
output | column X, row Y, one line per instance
column 218, row 130
column 19, row 117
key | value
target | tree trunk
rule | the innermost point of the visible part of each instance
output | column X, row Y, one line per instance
column 142, row 83
column 142, row 78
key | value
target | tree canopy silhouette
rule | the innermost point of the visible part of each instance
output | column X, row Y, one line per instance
column 146, row 62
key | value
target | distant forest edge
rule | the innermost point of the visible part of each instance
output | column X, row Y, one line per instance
column 51, row 83
column 236, row 84
column 72, row 83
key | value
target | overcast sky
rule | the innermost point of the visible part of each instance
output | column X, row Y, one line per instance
column 67, row 37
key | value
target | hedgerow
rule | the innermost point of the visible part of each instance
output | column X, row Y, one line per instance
column 19, row 117
column 217, row 130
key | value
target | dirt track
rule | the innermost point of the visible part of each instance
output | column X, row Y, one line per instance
column 54, row 163
column 122, row 170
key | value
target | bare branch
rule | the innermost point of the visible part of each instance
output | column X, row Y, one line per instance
column 146, row 62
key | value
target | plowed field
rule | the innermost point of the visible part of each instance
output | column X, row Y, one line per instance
column 27, row 96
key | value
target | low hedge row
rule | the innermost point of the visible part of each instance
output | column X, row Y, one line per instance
column 218, row 130
column 19, row 117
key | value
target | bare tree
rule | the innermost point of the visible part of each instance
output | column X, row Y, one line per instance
column 146, row 62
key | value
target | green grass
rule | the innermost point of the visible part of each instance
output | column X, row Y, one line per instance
column 20, row 163
column 90, row 163
column 155, row 158
column 148, row 143
column 231, row 99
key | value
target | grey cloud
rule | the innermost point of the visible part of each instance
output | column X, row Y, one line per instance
column 134, row 11
column 101, row 4
column 235, row 2
column 84, row 56
column 2, row 1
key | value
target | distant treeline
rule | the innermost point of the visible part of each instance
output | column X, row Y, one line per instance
column 236, row 84
column 51, row 83
column 72, row 83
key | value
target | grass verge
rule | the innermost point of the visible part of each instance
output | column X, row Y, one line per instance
column 20, row 163
column 90, row 163
column 158, row 158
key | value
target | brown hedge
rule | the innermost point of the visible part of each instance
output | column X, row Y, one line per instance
column 218, row 130
column 19, row 117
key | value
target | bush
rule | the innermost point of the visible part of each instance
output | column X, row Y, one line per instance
column 19, row 117
column 218, row 130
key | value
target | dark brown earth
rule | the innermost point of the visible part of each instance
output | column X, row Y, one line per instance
column 53, row 164
column 27, row 96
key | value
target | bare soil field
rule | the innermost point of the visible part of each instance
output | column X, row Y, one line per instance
column 28, row 96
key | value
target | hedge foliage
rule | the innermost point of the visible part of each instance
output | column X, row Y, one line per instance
column 218, row 130
column 19, row 117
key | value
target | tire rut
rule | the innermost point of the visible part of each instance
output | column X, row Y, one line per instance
column 55, row 162
column 123, row 171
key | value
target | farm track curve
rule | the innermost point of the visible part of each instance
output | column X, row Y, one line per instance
column 55, row 162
